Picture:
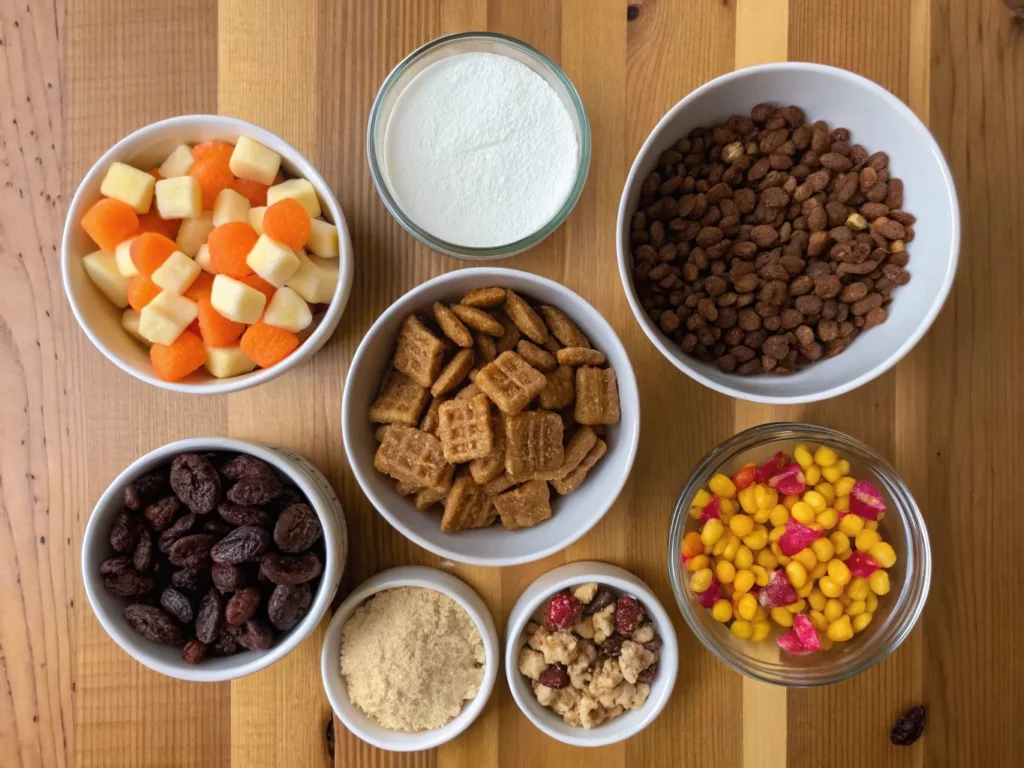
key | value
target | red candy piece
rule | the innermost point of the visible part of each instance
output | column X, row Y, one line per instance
column 778, row 592
column 710, row 596
column 744, row 477
column 789, row 481
column 711, row 509
column 563, row 611
column 866, row 501
column 764, row 473
column 790, row 643
column 861, row 564
column 806, row 633
column 796, row 537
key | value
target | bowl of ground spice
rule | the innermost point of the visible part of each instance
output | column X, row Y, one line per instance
column 410, row 659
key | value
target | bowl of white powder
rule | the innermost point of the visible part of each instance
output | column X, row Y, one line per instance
column 479, row 145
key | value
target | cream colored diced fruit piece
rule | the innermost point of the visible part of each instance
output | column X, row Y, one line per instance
column 230, row 206
column 225, row 362
column 166, row 316
column 323, row 239
column 256, row 218
column 272, row 261
column 288, row 310
column 253, row 161
column 130, row 322
column 177, row 273
column 178, row 163
column 193, row 233
column 236, row 300
column 179, row 198
column 315, row 279
column 298, row 189
column 101, row 268
column 123, row 258
column 203, row 258
column 129, row 185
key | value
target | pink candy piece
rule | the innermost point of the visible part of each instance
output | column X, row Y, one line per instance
column 861, row 564
column 777, row 592
column 790, row 643
column 710, row 596
column 770, row 467
column 789, row 480
column 806, row 632
column 866, row 501
column 711, row 509
column 796, row 537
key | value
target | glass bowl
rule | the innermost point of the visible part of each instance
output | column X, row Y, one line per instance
column 902, row 526
column 451, row 45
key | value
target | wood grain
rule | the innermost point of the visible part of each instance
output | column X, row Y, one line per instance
column 77, row 75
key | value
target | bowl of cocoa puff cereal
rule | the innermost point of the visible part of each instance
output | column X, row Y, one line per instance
column 788, row 232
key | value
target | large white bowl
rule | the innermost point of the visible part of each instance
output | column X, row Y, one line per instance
column 147, row 148
column 330, row 661
column 879, row 121
column 573, row 515
column 166, row 659
column 621, row 582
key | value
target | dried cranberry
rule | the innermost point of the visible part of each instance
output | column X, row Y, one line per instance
column 628, row 615
column 563, row 611
column 555, row 676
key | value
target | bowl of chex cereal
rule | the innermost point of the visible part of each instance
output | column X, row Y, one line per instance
column 492, row 416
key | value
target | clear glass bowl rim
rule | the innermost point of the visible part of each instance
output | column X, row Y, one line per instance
column 909, row 602
column 443, row 246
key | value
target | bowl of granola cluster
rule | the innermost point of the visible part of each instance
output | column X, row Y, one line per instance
column 590, row 654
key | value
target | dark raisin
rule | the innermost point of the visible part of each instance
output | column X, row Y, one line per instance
column 297, row 529
column 909, row 727
column 241, row 545
column 192, row 551
column 554, row 676
column 142, row 558
column 227, row 578
column 128, row 583
column 224, row 645
column 648, row 675
column 196, row 482
column 242, row 606
column 256, row 635
column 176, row 604
column 190, row 579
column 216, row 526
column 115, row 565
column 244, row 465
column 602, row 599
column 253, row 491
column 612, row 646
column 210, row 616
column 154, row 624
column 288, row 605
column 239, row 515
column 288, row 497
column 160, row 513
column 181, row 526
column 124, row 532
column 283, row 569
column 194, row 651
column 145, row 490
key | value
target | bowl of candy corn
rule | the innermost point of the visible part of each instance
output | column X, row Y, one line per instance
column 204, row 254
column 798, row 556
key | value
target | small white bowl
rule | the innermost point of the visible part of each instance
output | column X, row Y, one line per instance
column 531, row 601
column 166, row 659
column 330, row 662
column 146, row 148
column 879, row 121
column 573, row 515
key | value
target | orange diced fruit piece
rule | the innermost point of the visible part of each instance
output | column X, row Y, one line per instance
column 217, row 330
column 201, row 287
column 173, row 362
column 141, row 291
column 152, row 221
column 266, row 345
column 261, row 285
column 229, row 246
column 155, row 173
column 253, row 191
column 215, row 149
column 150, row 250
column 287, row 222
column 109, row 222
column 213, row 175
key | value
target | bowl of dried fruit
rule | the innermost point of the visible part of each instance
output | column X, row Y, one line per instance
column 208, row 559
column 491, row 416
column 590, row 654
column 770, row 222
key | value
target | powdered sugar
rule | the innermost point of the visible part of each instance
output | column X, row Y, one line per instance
column 479, row 150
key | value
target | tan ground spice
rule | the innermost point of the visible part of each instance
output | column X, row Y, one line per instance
column 410, row 658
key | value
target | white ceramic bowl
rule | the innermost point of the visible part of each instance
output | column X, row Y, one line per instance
column 330, row 662
column 573, row 515
column 879, row 121
column 533, row 600
column 146, row 148
column 166, row 659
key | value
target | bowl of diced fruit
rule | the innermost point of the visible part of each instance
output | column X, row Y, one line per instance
column 798, row 556
column 204, row 254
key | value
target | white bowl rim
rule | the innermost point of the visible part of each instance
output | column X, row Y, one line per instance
column 427, row 578
column 333, row 568
column 399, row 305
column 577, row 573
column 947, row 284
column 311, row 345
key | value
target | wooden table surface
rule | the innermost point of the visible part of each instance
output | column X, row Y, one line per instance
column 76, row 75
